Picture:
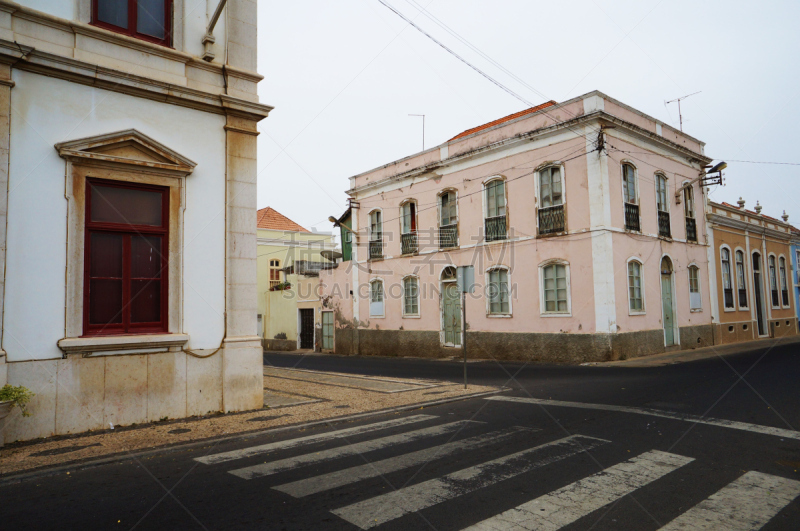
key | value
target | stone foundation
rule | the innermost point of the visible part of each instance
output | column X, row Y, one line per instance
column 279, row 345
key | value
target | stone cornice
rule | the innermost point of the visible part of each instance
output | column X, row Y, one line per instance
column 724, row 221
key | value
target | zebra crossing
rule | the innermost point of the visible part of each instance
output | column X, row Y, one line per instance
column 747, row 503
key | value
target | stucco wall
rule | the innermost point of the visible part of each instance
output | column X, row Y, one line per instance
column 46, row 111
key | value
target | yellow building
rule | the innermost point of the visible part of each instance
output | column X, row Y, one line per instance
column 289, row 260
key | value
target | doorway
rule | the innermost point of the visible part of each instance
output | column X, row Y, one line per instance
column 451, row 308
column 327, row 331
column 307, row 328
column 668, row 302
column 758, row 294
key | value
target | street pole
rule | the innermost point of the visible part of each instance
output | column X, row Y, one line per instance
column 464, row 332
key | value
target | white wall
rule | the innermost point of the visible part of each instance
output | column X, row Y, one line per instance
column 46, row 111
column 67, row 9
column 196, row 15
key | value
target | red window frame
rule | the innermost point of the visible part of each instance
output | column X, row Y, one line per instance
column 131, row 30
column 127, row 230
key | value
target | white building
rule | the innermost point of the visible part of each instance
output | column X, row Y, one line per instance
column 127, row 210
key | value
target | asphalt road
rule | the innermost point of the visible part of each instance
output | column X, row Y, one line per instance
column 710, row 443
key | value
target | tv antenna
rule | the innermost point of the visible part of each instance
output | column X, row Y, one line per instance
column 423, row 129
column 680, row 116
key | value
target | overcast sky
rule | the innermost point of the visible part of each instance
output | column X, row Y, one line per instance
column 343, row 76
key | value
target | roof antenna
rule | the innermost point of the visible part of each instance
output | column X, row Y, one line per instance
column 680, row 116
column 423, row 129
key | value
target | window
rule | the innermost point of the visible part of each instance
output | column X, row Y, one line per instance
column 448, row 220
column 741, row 284
column 498, row 292
column 410, row 296
column 150, row 20
column 797, row 265
column 663, row 206
column 630, row 197
column 688, row 209
column 784, row 287
column 495, row 223
column 554, row 288
column 408, row 227
column 635, row 297
column 375, row 234
column 126, row 249
column 727, row 287
column 551, row 201
column 376, row 298
column 274, row 273
column 773, row 281
column 695, row 301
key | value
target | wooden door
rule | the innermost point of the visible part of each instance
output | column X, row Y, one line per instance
column 669, row 314
column 306, row 328
column 451, row 314
column 327, row 330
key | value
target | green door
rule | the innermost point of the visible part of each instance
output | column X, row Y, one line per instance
column 327, row 330
column 669, row 318
column 451, row 314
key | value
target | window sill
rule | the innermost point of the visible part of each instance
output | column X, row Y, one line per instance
column 556, row 314
column 696, row 310
column 498, row 315
column 412, row 317
column 728, row 310
column 377, row 317
column 116, row 345
column 636, row 313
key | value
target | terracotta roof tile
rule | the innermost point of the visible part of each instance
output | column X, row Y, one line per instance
column 504, row 119
column 269, row 218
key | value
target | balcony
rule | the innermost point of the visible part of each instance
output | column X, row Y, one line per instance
column 495, row 228
column 663, row 225
column 408, row 243
column 785, row 297
column 742, row 298
column 632, row 217
column 775, row 298
column 448, row 236
column 691, row 230
column 376, row 250
column 728, row 293
column 551, row 220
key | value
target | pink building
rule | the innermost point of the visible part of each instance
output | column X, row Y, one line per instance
column 583, row 220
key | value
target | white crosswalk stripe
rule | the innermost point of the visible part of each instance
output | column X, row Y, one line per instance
column 745, row 504
column 380, row 509
column 274, row 467
column 568, row 504
column 294, row 443
column 306, row 487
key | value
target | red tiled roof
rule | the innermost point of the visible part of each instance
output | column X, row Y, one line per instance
column 504, row 119
column 269, row 218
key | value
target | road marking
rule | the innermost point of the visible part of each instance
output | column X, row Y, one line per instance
column 381, row 509
column 568, row 504
column 266, row 469
column 755, row 428
column 294, row 443
column 306, row 487
column 745, row 504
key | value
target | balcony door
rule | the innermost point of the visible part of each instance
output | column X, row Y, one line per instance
column 668, row 303
column 451, row 309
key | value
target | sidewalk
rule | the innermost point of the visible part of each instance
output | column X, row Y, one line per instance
column 292, row 397
column 683, row 356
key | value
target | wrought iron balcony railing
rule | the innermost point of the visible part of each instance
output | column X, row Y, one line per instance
column 448, row 236
column 632, row 217
column 775, row 298
column 785, row 297
column 495, row 228
column 408, row 243
column 663, row 225
column 691, row 230
column 376, row 249
column 742, row 298
column 551, row 220
column 728, row 297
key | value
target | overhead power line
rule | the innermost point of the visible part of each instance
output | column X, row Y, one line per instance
column 762, row 162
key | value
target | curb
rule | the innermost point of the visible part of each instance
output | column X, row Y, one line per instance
column 41, row 472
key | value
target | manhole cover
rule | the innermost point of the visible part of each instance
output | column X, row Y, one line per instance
column 180, row 430
column 63, row 450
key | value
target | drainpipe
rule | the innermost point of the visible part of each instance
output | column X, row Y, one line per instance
column 208, row 38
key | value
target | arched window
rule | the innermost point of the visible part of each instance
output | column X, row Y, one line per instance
column 630, row 197
column 555, row 288
column 741, row 283
column 408, row 227
column 662, row 204
column 773, row 281
column 695, row 300
column 727, row 286
column 411, row 296
column 784, row 286
column 635, row 292
column 498, row 291
column 448, row 220
column 376, row 298
column 375, row 234
column 495, row 222
column 274, row 273
column 551, row 201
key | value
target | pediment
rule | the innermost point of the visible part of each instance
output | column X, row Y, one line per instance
column 128, row 148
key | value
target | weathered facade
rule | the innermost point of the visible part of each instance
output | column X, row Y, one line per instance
column 795, row 280
column 750, row 262
column 127, row 211
column 584, row 223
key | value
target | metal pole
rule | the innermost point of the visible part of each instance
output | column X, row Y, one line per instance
column 464, row 333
